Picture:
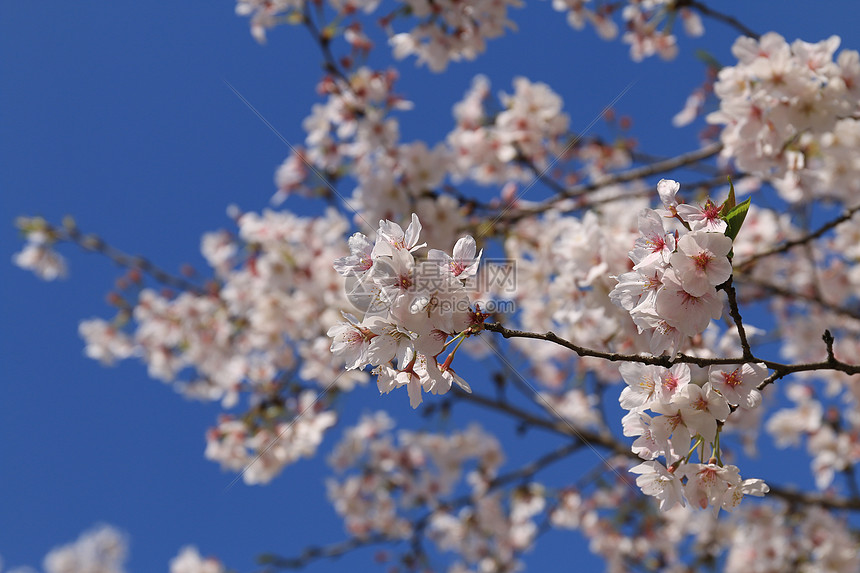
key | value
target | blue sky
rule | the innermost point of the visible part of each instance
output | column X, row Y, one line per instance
column 118, row 113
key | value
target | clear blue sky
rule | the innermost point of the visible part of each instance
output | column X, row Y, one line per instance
column 117, row 113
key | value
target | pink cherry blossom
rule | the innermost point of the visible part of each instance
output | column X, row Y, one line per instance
column 703, row 218
column 738, row 385
column 701, row 262
column 688, row 313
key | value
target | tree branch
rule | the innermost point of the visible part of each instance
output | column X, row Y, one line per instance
column 96, row 244
column 746, row 264
column 834, row 308
column 614, row 179
column 719, row 16
column 315, row 552
column 668, row 361
column 736, row 316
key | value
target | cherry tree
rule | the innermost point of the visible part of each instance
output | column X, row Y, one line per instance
column 711, row 295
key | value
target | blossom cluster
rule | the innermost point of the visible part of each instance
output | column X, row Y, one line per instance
column 38, row 254
column 789, row 112
column 833, row 442
column 486, row 147
column 687, row 413
column 671, row 291
column 564, row 265
column 767, row 538
column 104, row 549
column 642, row 24
column 429, row 466
column 260, row 450
column 410, row 309
column 420, row 470
column 451, row 30
column 355, row 132
column 490, row 534
column 444, row 31
column 255, row 336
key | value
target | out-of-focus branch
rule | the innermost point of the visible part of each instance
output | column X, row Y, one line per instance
column 784, row 292
column 96, row 244
column 805, row 498
column 340, row 548
column 316, row 552
column 613, row 179
column 557, row 425
column 719, row 16
column 747, row 263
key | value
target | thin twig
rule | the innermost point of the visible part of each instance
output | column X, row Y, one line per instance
column 96, row 244
column 314, row 553
column 736, row 316
column 747, row 263
column 784, row 292
column 719, row 16
column 334, row 550
column 668, row 361
column 616, row 178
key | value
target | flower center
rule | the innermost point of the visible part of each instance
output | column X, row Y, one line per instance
column 702, row 260
column 732, row 379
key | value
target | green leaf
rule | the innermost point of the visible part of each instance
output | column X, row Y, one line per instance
column 730, row 202
column 736, row 217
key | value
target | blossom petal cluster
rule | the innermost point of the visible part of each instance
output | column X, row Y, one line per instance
column 385, row 477
column 484, row 147
column 410, row 308
column 259, row 450
column 102, row 549
column 789, row 113
column 189, row 560
column 686, row 417
column 38, row 255
column 671, row 291
column 647, row 25
column 451, row 30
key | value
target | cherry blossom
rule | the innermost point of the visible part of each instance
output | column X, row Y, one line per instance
column 701, row 261
column 417, row 307
column 657, row 481
column 189, row 560
column 104, row 548
column 739, row 385
column 683, row 310
column 607, row 282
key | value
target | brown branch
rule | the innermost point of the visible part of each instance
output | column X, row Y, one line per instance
column 335, row 550
column 668, row 361
column 719, row 16
column 96, row 244
column 614, row 179
column 332, row 551
column 804, row 498
column 778, row 290
column 735, row 313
